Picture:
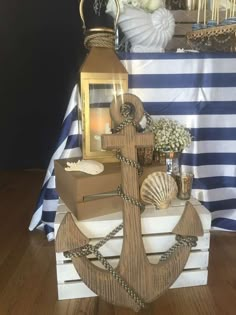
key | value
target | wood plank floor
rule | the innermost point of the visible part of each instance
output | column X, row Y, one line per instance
column 28, row 275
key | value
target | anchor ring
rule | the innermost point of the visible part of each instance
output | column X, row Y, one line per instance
column 127, row 98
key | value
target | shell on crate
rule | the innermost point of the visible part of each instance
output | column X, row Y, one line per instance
column 146, row 31
column 158, row 189
column 86, row 166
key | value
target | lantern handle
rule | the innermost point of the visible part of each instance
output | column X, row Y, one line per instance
column 82, row 13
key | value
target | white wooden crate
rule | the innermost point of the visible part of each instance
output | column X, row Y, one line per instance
column 157, row 238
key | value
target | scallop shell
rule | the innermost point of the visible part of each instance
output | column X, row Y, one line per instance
column 158, row 189
column 147, row 31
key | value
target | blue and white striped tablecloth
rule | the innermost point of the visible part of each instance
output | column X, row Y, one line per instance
column 199, row 90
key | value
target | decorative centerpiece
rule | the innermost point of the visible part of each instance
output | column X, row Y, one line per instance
column 171, row 138
column 147, row 25
column 136, row 281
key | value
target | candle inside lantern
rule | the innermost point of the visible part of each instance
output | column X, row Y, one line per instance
column 100, row 123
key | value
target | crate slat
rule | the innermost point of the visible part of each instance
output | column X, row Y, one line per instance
column 67, row 271
column 153, row 221
column 152, row 244
column 77, row 289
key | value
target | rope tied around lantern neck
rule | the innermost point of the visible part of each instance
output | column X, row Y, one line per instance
column 99, row 39
column 100, row 36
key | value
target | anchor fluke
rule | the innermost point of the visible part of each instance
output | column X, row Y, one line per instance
column 189, row 223
column 74, row 237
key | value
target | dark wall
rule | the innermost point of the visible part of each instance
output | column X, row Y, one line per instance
column 41, row 48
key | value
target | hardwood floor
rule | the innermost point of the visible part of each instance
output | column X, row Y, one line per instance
column 28, row 275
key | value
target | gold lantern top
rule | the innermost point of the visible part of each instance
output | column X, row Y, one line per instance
column 99, row 36
column 102, row 77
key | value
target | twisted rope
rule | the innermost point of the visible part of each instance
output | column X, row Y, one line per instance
column 100, row 39
column 129, row 162
column 130, row 199
column 88, row 249
column 128, row 113
column 149, row 119
column 189, row 241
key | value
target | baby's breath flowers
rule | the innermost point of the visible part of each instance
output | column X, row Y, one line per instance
column 170, row 135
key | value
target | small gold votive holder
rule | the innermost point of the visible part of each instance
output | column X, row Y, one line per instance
column 184, row 182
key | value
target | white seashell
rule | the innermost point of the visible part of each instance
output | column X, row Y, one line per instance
column 86, row 166
column 147, row 31
column 158, row 189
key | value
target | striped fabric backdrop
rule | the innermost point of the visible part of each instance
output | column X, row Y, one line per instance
column 69, row 144
column 198, row 90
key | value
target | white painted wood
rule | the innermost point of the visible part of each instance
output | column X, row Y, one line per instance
column 152, row 244
column 67, row 272
column 191, row 278
column 77, row 289
column 74, row 290
column 153, row 221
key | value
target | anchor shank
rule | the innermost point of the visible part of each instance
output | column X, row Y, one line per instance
column 133, row 249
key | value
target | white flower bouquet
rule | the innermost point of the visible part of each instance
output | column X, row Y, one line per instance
column 146, row 5
column 170, row 135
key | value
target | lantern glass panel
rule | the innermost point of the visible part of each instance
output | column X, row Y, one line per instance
column 100, row 98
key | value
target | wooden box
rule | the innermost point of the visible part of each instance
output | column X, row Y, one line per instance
column 157, row 238
column 88, row 196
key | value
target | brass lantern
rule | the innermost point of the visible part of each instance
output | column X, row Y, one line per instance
column 102, row 78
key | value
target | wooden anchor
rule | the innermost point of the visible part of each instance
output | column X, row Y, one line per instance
column 147, row 280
